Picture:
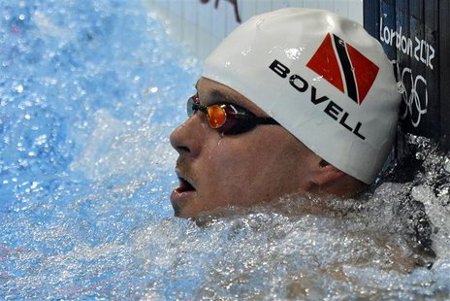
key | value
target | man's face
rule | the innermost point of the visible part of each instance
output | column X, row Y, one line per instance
column 218, row 170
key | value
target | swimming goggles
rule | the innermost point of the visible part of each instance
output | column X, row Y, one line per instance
column 228, row 119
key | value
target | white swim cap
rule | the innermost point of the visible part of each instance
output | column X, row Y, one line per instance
column 322, row 77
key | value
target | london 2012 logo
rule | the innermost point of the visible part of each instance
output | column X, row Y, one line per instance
column 344, row 67
column 419, row 52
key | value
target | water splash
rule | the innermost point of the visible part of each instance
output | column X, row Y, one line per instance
column 89, row 94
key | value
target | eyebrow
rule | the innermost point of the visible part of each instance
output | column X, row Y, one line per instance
column 215, row 93
column 218, row 96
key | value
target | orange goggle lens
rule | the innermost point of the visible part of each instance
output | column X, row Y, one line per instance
column 216, row 116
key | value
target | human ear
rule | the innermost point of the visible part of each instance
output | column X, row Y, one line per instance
column 326, row 174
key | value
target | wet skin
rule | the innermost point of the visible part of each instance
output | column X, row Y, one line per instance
column 218, row 170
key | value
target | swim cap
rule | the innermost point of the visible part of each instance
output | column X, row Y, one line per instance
column 322, row 77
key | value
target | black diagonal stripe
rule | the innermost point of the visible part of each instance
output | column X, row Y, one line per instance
column 346, row 67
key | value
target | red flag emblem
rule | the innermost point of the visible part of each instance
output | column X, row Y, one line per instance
column 344, row 67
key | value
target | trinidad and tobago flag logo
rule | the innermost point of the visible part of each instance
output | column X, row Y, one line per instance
column 344, row 67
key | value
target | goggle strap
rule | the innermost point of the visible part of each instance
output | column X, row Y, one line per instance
column 265, row 120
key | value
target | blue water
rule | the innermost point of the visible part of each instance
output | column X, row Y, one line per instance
column 89, row 93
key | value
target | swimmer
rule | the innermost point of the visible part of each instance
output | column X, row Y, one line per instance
column 292, row 102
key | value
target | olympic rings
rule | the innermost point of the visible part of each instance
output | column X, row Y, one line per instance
column 412, row 100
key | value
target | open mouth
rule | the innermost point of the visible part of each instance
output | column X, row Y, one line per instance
column 183, row 195
column 185, row 186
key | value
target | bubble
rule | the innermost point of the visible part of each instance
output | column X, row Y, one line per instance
column 447, row 165
column 40, row 140
column 293, row 53
column 245, row 52
column 19, row 89
column 317, row 78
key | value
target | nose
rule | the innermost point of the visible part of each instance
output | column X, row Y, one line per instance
column 187, row 138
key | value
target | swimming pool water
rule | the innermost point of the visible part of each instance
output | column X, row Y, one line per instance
column 89, row 93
